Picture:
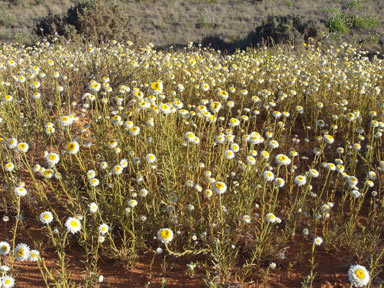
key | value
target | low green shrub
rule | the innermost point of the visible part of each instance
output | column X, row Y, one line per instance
column 365, row 22
column 339, row 23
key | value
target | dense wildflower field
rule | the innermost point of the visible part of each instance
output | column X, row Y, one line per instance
column 244, row 170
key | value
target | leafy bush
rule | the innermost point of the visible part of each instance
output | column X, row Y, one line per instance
column 365, row 22
column 274, row 30
column 343, row 23
column 93, row 20
column 6, row 19
column 289, row 29
column 354, row 4
column 339, row 23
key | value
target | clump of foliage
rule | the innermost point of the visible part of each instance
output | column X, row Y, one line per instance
column 93, row 20
column 339, row 23
column 354, row 4
column 365, row 22
column 343, row 23
column 289, row 29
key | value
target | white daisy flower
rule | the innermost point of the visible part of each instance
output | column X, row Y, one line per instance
column 219, row 187
column 165, row 235
column 318, row 241
column 104, row 228
column 20, row 191
column 270, row 217
column 4, row 248
column 73, row 225
column 46, row 217
column 358, row 275
column 7, row 281
column 22, row 252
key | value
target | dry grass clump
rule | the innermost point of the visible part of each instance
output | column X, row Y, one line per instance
column 242, row 166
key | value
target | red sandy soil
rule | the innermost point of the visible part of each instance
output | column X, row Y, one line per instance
column 330, row 272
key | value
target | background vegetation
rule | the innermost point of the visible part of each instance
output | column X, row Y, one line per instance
column 230, row 23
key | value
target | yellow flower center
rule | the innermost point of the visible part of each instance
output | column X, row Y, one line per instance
column 20, row 252
column 74, row 223
column 4, row 248
column 165, row 234
column 155, row 86
column 360, row 273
